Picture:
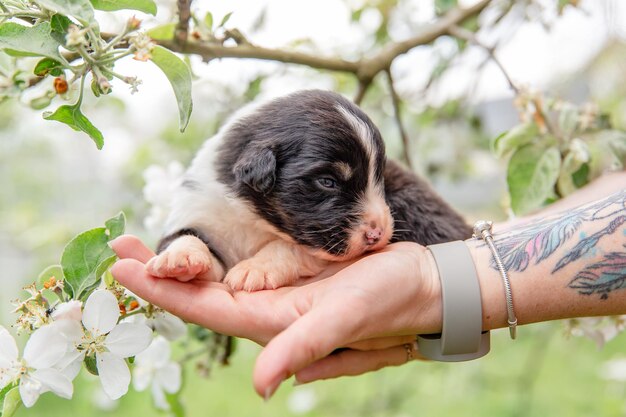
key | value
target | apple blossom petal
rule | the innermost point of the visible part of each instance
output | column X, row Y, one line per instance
column 156, row 355
column 137, row 319
column 101, row 312
column 114, row 374
column 168, row 325
column 45, row 347
column 71, row 329
column 159, row 397
column 9, row 373
column 142, row 375
column 30, row 390
column 71, row 310
column 8, row 347
column 54, row 381
column 128, row 339
column 169, row 377
column 71, row 363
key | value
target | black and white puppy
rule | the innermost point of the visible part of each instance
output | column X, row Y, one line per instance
column 285, row 189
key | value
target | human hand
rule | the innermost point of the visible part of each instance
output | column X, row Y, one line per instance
column 373, row 307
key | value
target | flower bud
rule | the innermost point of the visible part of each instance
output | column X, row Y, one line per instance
column 134, row 23
column 60, row 85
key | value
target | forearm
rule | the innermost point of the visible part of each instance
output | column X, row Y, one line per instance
column 571, row 264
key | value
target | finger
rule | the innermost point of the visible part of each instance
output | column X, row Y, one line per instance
column 311, row 337
column 207, row 303
column 355, row 362
column 129, row 246
column 381, row 342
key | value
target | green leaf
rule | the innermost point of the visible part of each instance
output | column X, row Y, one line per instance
column 163, row 32
column 568, row 119
column 208, row 20
column 146, row 6
column 88, row 256
column 176, row 407
column 48, row 66
column 577, row 155
column 519, row 135
column 177, row 72
column 581, row 177
column 36, row 40
column 116, row 225
column 74, row 118
column 225, row 19
column 108, row 279
column 55, row 271
column 616, row 140
column 105, row 265
column 6, row 65
column 82, row 10
column 531, row 175
column 91, row 365
column 81, row 257
column 11, row 403
column 608, row 152
column 58, row 26
column 40, row 103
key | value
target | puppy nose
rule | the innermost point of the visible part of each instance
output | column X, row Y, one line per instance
column 373, row 235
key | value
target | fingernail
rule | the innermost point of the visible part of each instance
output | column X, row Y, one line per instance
column 269, row 391
column 112, row 242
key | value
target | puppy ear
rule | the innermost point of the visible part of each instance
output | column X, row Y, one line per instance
column 256, row 167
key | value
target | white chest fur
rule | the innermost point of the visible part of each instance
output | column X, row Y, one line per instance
column 202, row 202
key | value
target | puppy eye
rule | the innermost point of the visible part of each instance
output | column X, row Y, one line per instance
column 327, row 182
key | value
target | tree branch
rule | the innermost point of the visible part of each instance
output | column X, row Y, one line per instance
column 398, row 116
column 363, row 86
column 471, row 37
column 182, row 27
column 365, row 69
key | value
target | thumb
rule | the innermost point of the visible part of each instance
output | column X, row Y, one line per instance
column 311, row 337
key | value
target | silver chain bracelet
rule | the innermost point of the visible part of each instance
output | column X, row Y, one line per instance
column 482, row 230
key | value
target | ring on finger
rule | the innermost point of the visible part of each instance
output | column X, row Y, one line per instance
column 410, row 350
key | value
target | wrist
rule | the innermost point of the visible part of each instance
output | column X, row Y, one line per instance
column 420, row 294
column 433, row 316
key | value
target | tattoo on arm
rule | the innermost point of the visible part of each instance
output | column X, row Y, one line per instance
column 541, row 239
column 602, row 277
column 588, row 243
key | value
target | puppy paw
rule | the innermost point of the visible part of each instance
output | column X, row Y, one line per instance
column 255, row 275
column 184, row 264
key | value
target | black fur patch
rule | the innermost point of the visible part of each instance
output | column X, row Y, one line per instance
column 419, row 214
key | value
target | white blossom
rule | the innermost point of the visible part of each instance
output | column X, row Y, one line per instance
column 614, row 370
column 35, row 371
column 76, row 37
column 599, row 329
column 154, row 369
column 302, row 400
column 143, row 46
column 160, row 185
column 111, row 343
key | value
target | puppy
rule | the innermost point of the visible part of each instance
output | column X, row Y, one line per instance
column 285, row 189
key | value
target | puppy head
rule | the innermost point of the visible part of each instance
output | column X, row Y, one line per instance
column 311, row 164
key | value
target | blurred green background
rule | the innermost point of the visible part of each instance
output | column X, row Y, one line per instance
column 54, row 184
